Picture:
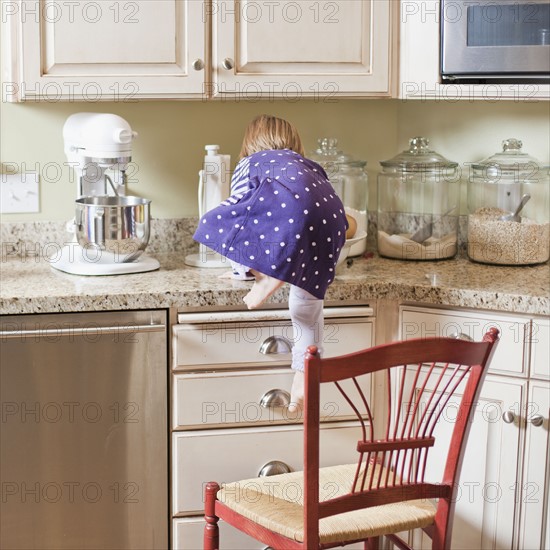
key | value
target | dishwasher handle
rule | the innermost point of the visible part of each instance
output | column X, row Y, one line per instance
column 126, row 328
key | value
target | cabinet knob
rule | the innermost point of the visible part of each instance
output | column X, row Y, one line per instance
column 198, row 64
column 275, row 398
column 461, row 336
column 537, row 420
column 228, row 63
column 508, row 417
column 272, row 344
column 274, row 468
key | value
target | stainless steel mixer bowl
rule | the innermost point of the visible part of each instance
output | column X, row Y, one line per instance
column 117, row 226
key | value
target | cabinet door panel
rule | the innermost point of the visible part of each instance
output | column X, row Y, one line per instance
column 121, row 26
column 302, row 48
column 535, row 529
column 109, row 50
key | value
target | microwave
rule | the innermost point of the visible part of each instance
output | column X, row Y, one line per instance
column 495, row 40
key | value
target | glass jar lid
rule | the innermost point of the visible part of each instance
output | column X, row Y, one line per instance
column 511, row 163
column 419, row 158
column 327, row 152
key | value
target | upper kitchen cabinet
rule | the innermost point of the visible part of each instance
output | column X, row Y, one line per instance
column 115, row 50
column 122, row 50
column 311, row 48
column 486, row 36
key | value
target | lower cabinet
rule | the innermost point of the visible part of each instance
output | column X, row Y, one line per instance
column 502, row 499
column 230, row 383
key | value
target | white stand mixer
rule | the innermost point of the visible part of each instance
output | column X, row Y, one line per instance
column 98, row 148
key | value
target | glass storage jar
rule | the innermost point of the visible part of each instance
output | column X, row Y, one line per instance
column 350, row 181
column 418, row 204
column 496, row 188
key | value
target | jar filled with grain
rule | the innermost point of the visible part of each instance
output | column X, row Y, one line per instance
column 497, row 186
column 418, row 204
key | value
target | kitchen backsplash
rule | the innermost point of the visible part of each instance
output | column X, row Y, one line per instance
column 45, row 238
column 168, row 236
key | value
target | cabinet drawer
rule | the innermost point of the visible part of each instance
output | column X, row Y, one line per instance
column 540, row 348
column 233, row 397
column 234, row 340
column 188, row 535
column 240, row 453
column 510, row 355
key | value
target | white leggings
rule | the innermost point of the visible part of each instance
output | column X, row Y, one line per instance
column 306, row 314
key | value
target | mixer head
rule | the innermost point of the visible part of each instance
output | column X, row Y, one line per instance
column 94, row 143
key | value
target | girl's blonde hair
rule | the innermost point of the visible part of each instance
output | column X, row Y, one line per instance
column 269, row 132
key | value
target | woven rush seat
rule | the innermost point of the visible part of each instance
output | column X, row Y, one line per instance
column 276, row 502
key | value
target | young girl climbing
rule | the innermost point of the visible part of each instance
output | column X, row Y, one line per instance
column 282, row 223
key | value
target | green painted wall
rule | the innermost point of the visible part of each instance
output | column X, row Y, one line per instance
column 172, row 135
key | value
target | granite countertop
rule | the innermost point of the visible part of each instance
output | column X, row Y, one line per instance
column 30, row 285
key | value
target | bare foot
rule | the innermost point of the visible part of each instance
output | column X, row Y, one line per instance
column 264, row 286
column 297, row 392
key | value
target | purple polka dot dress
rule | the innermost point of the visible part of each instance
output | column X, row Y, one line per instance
column 288, row 221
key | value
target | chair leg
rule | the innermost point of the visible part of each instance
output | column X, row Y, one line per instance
column 211, row 530
column 372, row 543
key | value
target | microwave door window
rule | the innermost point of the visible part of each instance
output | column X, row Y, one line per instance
column 516, row 24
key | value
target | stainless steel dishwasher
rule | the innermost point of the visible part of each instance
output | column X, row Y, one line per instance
column 84, row 431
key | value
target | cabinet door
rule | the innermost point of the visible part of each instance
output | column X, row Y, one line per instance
column 535, row 529
column 487, row 494
column 310, row 48
column 116, row 51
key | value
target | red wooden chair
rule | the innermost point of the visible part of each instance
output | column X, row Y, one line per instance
column 385, row 492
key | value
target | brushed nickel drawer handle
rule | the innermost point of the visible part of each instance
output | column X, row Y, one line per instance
column 275, row 398
column 271, row 344
column 508, row 417
column 274, row 468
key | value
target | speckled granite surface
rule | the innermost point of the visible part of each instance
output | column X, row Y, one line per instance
column 30, row 285
column 41, row 238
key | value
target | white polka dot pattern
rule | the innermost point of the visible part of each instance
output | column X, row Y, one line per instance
column 273, row 226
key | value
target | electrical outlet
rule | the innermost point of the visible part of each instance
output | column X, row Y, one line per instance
column 19, row 193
